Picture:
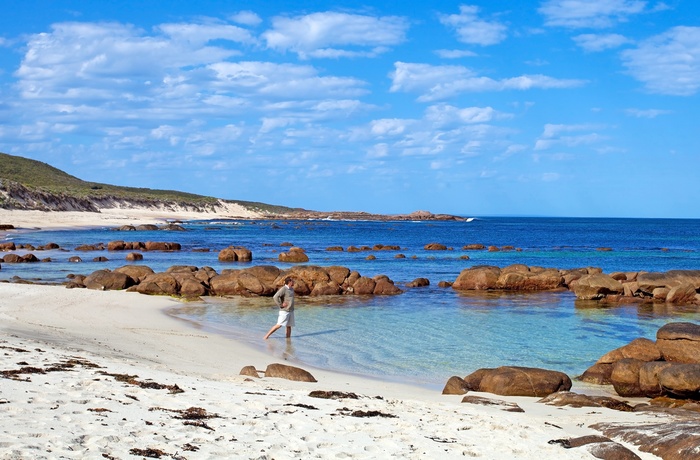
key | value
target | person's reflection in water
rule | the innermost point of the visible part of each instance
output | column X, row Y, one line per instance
column 288, row 350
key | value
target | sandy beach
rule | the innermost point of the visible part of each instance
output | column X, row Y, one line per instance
column 116, row 216
column 92, row 374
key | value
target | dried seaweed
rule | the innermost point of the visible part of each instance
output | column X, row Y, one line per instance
column 362, row 413
column 132, row 380
column 199, row 424
column 148, row 452
column 332, row 395
column 16, row 373
column 191, row 413
column 303, row 406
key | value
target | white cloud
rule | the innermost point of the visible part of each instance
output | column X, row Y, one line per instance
column 646, row 113
column 600, row 42
column 441, row 82
column 668, row 63
column 455, row 54
column 247, row 18
column 285, row 81
column 589, row 13
column 330, row 34
column 196, row 35
column 443, row 115
column 473, row 30
column 558, row 135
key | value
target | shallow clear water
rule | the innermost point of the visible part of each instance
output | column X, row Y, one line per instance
column 426, row 334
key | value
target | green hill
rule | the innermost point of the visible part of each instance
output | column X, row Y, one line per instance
column 31, row 184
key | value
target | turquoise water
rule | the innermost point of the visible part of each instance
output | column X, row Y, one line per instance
column 428, row 334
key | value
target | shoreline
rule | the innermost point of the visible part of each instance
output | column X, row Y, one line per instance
column 131, row 333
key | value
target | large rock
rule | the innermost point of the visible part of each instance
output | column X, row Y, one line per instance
column 284, row 371
column 596, row 286
column 679, row 342
column 455, row 386
column 649, row 384
column 384, row 286
column 598, row 374
column 477, row 278
column 295, row 255
column 682, row 380
column 641, row 349
column 684, row 293
column 104, row 280
column 625, row 377
column 525, row 280
column 136, row 272
column 522, row 381
column 158, row 284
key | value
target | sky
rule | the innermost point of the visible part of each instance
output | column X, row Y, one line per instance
column 572, row 108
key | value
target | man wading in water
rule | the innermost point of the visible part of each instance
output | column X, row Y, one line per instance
column 284, row 299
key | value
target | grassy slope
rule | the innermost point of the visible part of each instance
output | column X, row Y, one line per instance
column 39, row 176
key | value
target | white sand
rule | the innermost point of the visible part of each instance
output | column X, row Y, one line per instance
column 118, row 216
column 83, row 413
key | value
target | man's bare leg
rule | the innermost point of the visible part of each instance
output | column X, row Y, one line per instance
column 289, row 331
column 273, row 329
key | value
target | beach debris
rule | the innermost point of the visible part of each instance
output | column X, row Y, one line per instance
column 16, row 373
column 131, row 380
column 441, row 440
column 149, row 452
column 332, row 395
column 303, row 406
column 99, row 410
column 284, row 371
column 363, row 413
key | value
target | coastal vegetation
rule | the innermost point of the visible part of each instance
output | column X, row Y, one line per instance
column 34, row 185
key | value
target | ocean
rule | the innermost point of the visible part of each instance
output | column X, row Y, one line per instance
column 427, row 334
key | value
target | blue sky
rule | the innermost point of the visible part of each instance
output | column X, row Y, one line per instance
column 550, row 108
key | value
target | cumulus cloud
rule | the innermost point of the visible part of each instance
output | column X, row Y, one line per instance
column 473, row 30
column 560, row 135
column 600, row 42
column 289, row 81
column 332, row 35
column 589, row 13
column 668, row 63
column 646, row 113
column 247, row 18
column 455, row 54
column 441, row 82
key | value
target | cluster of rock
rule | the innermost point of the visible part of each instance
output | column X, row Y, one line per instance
column 11, row 246
column 150, row 227
column 668, row 367
column 376, row 247
column 675, row 286
column 517, row 277
column 341, row 215
column 262, row 280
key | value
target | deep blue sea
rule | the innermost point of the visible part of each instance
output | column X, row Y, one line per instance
column 428, row 334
